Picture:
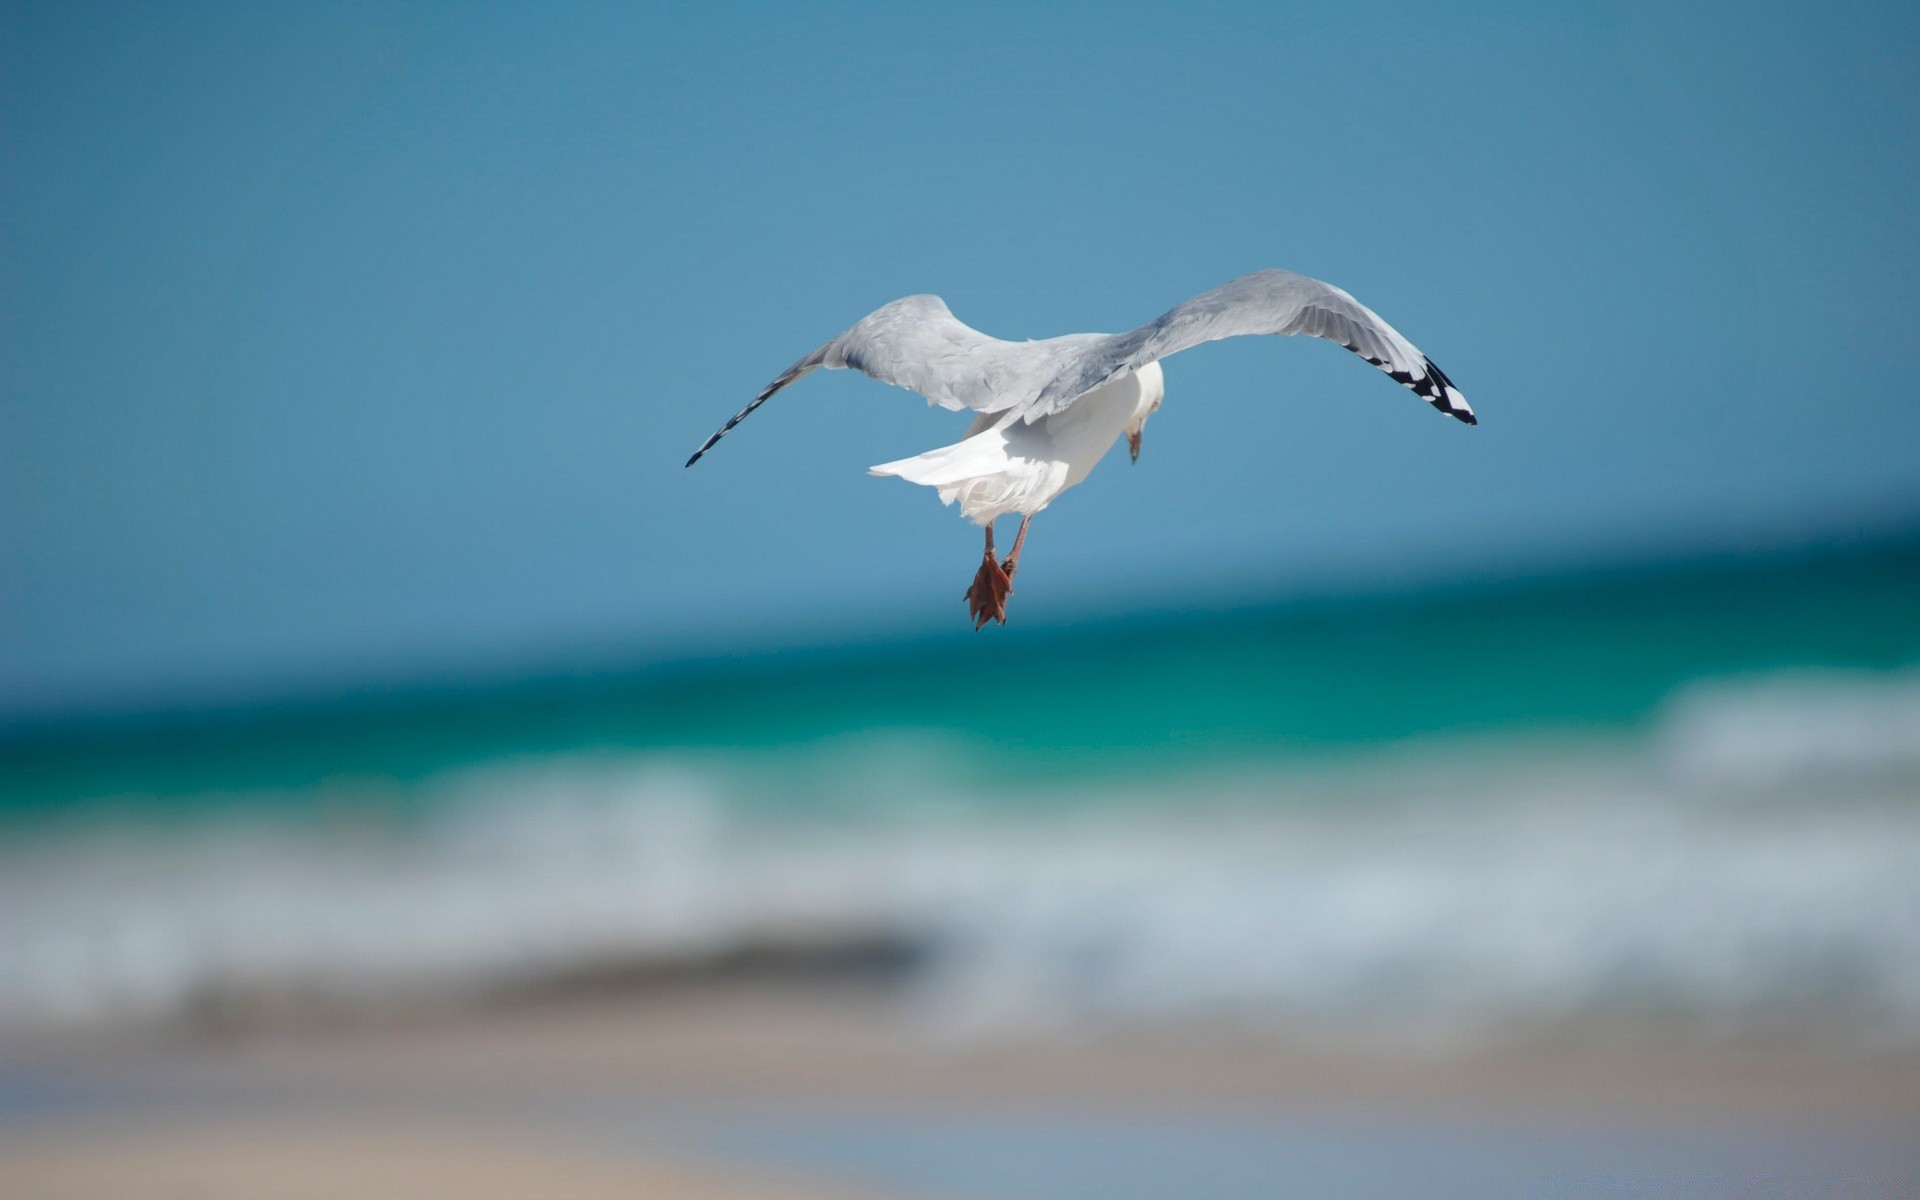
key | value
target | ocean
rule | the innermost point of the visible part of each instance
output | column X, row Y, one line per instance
column 1680, row 794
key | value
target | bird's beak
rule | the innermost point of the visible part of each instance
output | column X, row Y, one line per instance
column 1133, row 443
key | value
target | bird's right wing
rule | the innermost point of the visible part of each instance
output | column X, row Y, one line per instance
column 917, row 343
column 1265, row 302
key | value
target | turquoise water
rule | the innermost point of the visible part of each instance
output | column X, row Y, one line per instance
column 1589, row 655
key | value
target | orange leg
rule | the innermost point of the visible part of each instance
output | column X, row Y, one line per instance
column 1013, row 560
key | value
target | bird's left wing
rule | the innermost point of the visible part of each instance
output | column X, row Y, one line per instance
column 917, row 343
column 1272, row 302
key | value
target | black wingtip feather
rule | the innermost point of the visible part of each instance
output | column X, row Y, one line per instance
column 1436, row 389
column 711, row 442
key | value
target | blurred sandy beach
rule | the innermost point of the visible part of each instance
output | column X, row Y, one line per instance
column 824, row 1088
column 237, row 1159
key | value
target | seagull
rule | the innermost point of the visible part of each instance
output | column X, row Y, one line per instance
column 1049, row 410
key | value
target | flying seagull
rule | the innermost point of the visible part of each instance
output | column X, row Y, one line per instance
column 1049, row 410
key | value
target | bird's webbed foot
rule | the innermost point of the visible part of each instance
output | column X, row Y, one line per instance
column 987, row 598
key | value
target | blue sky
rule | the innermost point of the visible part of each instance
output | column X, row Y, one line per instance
column 359, row 342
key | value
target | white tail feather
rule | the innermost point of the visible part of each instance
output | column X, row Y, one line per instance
column 985, row 473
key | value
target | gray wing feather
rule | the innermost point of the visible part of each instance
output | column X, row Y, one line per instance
column 917, row 343
column 1267, row 302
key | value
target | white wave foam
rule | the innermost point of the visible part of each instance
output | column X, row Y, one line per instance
column 1405, row 899
column 1805, row 727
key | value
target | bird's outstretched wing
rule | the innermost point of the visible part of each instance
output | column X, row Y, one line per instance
column 1273, row 302
column 917, row 343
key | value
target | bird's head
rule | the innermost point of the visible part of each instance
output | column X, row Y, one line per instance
column 1153, row 389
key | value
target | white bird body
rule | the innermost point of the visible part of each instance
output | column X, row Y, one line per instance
column 1005, row 465
column 1047, row 411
